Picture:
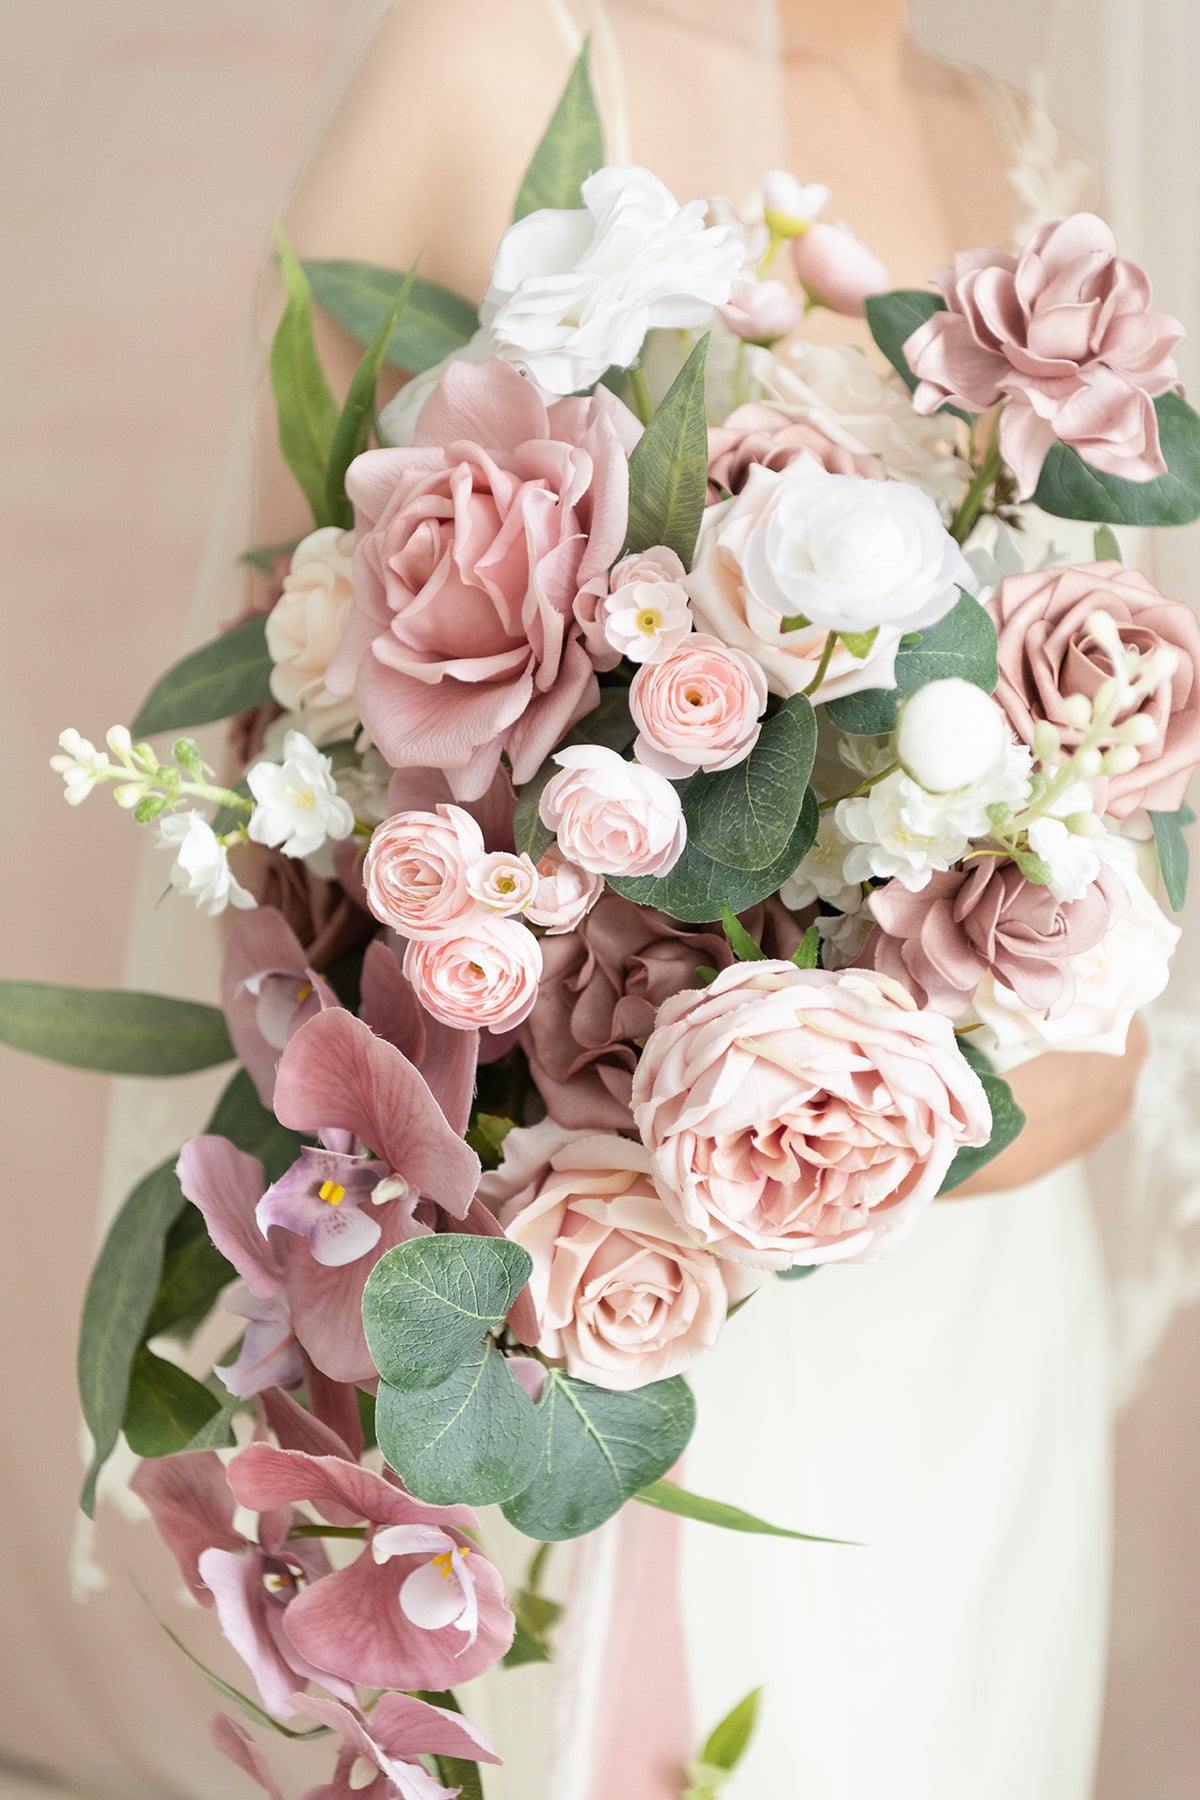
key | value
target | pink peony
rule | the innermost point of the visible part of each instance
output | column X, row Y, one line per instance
column 622, row 1293
column 1046, row 653
column 1066, row 334
column 803, row 1116
column 565, row 894
column 697, row 708
column 485, row 974
column 756, row 433
column 837, row 270
column 415, row 871
column 473, row 548
column 612, row 817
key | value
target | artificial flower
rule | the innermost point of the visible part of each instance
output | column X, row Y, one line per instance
column 646, row 611
column 697, row 707
column 950, row 735
column 201, row 868
column 613, row 817
column 503, row 882
column 565, row 894
column 482, row 976
column 758, row 433
column 415, row 871
column 297, row 805
column 836, row 270
column 304, row 628
column 762, row 312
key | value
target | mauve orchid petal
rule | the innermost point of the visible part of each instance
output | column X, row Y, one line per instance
column 235, row 1742
column 262, row 1477
column 252, row 1614
column 227, row 1185
column 270, row 1356
column 320, row 1198
column 445, row 1058
column 262, row 944
column 401, row 1728
column 188, row 1498
column 298, row 1429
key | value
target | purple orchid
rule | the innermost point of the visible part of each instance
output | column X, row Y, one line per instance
column 321, row 1198
column 267, row 992
column 270, row 1356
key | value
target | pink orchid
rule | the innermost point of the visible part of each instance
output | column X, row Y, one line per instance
column 355, row 1621
column 267, row 992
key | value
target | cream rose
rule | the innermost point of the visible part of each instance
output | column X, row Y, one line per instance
column 304, row 629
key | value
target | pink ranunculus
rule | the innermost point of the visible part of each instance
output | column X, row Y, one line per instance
column 484, row 975
column 623, row 1295
column 415, row 871
column 1066, row 334
column 473, row 548
column 697, row 708
column 758, row 433
column 503, row 882
column 803, row 1116
column 611, row 816
column 565, row 894
column 1046, row 653
column 837, row 270
column 762, row 312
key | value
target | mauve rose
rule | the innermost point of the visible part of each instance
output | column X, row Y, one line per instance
column 1066, row 334
column 967, row 923
column 756, row 433
column 602, row 985
column 803, row 1115
column 697, row 707
column 473, row 547
column 622, row 1294
column 1046, row 653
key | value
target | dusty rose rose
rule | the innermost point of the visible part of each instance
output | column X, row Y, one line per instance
column 415, row 871
column 473, row 547
column 601, row 988
column 503, row 882
column 565, row 894
column 611, row 816
column 940, row 943
column 304, row 629
column 1064, row 332
column 485, row 975
column 645, row 613
column 623, row 1296
column 1047, row 653
column 837, row 270
column 698, row 707
column 762, row 311
column 756, row 433
column 803, row 1116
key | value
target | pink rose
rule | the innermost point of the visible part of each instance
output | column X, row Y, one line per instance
column 473, row 548
column 755, row 433
column 415, row 871
column 1046, row 653
column 565, row 894
column 762, row 312
column 837, row 270
column 623, row 1295
column 698, row 707
column 485, row 975
column 613, row 817
column 803, row 1116
column 1064, row 332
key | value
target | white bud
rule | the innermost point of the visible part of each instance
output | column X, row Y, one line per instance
column 1160, row 666
column 128, row 795
column 1106, row 701
column 951, row 734
column 1046, row 743
column 1102, row 628
column 1077, row 711
column 1140, row 730
column 1120, row 759
column 1084, row 824
column 789, row 207
column 1086, row 763
column 119, row 741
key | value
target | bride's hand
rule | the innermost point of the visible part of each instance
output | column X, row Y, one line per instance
column 1071, row 1103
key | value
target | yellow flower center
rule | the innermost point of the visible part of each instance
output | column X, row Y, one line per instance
column 649, row 621
column 444, row 1564
column 330, row 1190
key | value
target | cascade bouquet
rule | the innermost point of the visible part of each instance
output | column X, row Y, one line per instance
column 684, row 776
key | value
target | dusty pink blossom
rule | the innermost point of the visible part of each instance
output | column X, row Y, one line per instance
column 1047, row 653
column 502, row 881
column 762, row 311
column 837, row 270
column 803, row 1116
column 415, row 871
column 698, row 707
column 472, row 550
column 483, row 976
column 1064, row 333
column 759, row 433
column 565, row 894
column 646, row 611
column 613, row 817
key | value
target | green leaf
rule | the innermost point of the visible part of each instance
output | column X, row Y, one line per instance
column 666, row 1496
column 241, row 1116
column 600, row 1448
column 571, row 148
column 807, row 954
column 307, row 410
column 353, row 432
column 110, row 1030
column 1007, row 1120
column 217, row 1434
column 358, row 297
column 894, row 317
column 431, row 1304
column 668, row 469
column 740, row 941
column 1173, row 854
column 263, row 556
column 728, row 1743
column 235, row 1697
column 530, row 836
column 797, row 1272
column 859, row 643
column 536, row 1617
column 194, row 1274
column 745, row 817
column 166, row 1406
column 229, row 675
column 486, row 1138
column 962, row 644
column 474, row 1438
column 696, row 889
column 1070, row 489
column 1105, row 547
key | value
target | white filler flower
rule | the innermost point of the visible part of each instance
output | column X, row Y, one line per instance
column 299, row 807
column 201, row 868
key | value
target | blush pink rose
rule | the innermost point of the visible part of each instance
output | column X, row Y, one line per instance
column 1046, row 653
column 473, row 547
column 623, row 1295
column 698, row 707
column 757, row 433
column 415, row 872
column 803, row 1116
column 484, row 976
column 565, row 894
column 837, row 270
column 762, row 312
column 613, row 817
column 1066, row 334
column 503, row 882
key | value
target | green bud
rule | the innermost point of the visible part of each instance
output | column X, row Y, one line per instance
column 1033, row 867
column 186, row 752
column 999, row 814
column 149, row 807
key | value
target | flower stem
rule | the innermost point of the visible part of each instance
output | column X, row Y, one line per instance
column 823, row 665
column 640, row 389
column 977, row 493
column 357, row 1532
column 864, row 787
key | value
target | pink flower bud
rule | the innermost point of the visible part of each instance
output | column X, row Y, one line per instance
column 837, row 271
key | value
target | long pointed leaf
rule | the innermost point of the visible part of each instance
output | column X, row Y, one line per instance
column 357, row 296
column 667, row 1496
column 571, row 148
column 354, row 426
column 228, row 675
column 111, row 1030
column 307, row 410
column 668, row 470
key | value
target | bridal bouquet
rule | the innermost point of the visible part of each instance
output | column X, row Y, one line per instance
column 679, row 775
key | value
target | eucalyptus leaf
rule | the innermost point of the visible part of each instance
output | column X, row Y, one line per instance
column 571, row 148
column 746, row 816
column 166, row 1406
column 1173, row 854
column 431, row 1304
column 306, row 409
column 475, row 1438
column 667, row 1496
column 1070, row 489
column 696, row 889
column 531, row 837
column 1007, row 1121
column 353, row 432
column 963, row 644
column 600, row 1448
column 668, row 468
column 228, row 675
column 111, row 1030
column 358, row 296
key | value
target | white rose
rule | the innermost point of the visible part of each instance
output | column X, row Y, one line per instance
column 850, row 555
column 574, row 293
column 951, row 734
column 304, row 629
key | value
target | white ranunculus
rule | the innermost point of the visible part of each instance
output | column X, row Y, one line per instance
column 821, row 876
column 201, row 868
column 574, row 293
column 305, row 627
column 298, row 806
column 849, row 555
column 951, row 735
column 1071, row 859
